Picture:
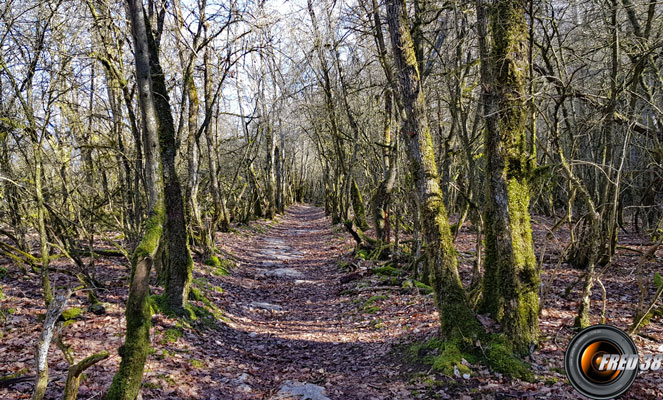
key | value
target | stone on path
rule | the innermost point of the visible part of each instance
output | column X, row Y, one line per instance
column 301, row 391
column 283, row 273
column 265, row 306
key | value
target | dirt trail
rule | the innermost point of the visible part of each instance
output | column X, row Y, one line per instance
column 286, row 316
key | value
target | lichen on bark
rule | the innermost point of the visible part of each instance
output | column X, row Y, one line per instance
column 511, row 279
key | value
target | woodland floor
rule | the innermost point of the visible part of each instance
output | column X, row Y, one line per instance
column 286, row 318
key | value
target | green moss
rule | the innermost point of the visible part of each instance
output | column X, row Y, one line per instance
column 2, row 294
column 158, row 304
column 71, row 313
column 210, row 308
column 388, row 270
column 378, row 323
column 550, row 381
column 500, row 357
column 168, row 379
column 450, row 358
column 127, row 381
column 196, row 294
column 446, row 356
column 212, row 261
column 423, row 288
column 358, row 206
column 171, row 335
column 197, row 363
column 151, row 385
column 166, row 354
column 362, row 254
column 373, row 299
column 222, row 266
column 153, row 231
column 3, row 272
column 371, row 309
column 16, row 374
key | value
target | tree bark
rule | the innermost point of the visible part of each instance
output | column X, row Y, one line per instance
column 180, row 264
column 458, row 319
column 127, row 380
column 55, row 308
column 511, row 280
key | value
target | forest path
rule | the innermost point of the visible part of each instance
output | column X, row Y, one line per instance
column 286, row 319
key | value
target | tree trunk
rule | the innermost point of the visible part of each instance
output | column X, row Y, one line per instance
column 180, row 264
column 457, row 317
column 358, row 206
column 55, row 308
column 511, row 280
column 127, row 380
column 382, row 198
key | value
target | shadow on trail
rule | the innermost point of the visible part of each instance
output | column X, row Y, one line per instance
column 287, row 322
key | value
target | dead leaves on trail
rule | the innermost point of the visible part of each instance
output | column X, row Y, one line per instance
column 288, row 313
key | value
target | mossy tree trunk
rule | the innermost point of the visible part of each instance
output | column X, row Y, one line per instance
column 511, row 278
column 270, row 168
column 127, row 381
column 382, row 198
column 358, row 206
column 180, row 264
column 458, row 319
column 193, row 159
